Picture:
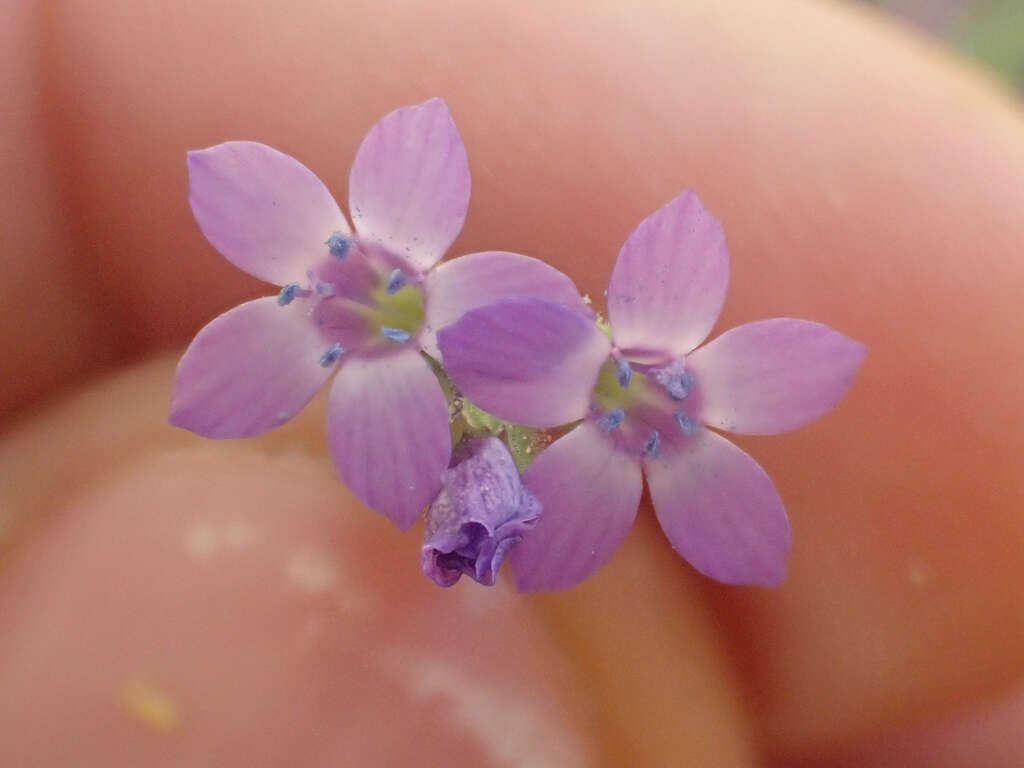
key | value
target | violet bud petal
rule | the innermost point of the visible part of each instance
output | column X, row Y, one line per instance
column 480, row 514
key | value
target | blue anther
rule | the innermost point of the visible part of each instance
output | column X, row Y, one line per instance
column 330, row 357
column 624, row 371
column 287, row 294
column 396, row 335
column 674, row 379
column 396, row 281
column 652, row 448
column 338, row 244
column 688, row 425
column 611, row 419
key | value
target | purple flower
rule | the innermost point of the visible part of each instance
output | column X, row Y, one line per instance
column 482, row 511
column 365, row 301
column 646, row 399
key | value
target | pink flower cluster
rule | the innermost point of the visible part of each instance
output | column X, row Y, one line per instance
column 372, row 304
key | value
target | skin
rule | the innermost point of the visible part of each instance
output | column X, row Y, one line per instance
column 165, row 598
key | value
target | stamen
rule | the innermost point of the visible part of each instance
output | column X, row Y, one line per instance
column 324, row 289
column 338, row 244
column 330, row 357
column 396, row 281
column 396, row 335
column 652, row 448
column 611, row 419
column 287, row 294
column 674, row 379
column 624, row 371
column 688, row 425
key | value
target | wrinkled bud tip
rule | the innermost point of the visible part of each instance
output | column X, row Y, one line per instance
column 481, row 513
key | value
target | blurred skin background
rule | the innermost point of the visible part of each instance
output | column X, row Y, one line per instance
column 167, row 600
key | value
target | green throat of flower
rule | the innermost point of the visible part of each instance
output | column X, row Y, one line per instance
column 401, row 310
column 609, row 394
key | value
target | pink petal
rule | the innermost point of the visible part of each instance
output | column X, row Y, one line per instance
column 387, row 428
column 589, row 493
column 531, row 361
column 249, row 370
column 720, row 510
column 409, row 186
column 773, row 375
column 266, row 212
column 478, row 279
column 669, row 281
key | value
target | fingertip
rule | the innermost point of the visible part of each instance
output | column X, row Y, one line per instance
column 222, row 602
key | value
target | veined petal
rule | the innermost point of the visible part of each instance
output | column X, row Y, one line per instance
column 669, row 282
column 478, row 279
column 387, row 428
column 249, row 370
column 531, row 361
column 409, row 186
column 266, row 212
column 773, row 375
column 589, row 492
column 720, row 510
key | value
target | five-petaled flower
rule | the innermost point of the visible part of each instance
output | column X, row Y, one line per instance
column 366, row 300
column 481, row 513
column 646, row 399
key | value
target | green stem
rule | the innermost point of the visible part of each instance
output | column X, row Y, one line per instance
column 469, row 420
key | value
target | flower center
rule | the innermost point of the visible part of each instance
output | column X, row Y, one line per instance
column 643, row 409
column 617, row 391
column 367, row 298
